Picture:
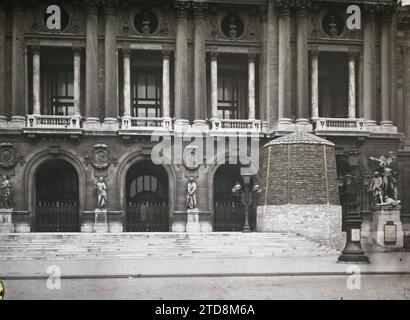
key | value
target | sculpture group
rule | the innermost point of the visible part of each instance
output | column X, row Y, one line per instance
column 384, row 183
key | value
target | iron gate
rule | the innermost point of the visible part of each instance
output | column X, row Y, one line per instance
column 229, row 215
column 147, row 216
column 57, row 216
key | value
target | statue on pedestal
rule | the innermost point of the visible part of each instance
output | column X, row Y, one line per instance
column 384, row 183
column 101, row 188
column 6, row 193
column 191, row 201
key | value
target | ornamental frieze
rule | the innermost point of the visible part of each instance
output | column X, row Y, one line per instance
column 101, row 157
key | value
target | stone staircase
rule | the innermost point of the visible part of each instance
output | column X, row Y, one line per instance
column 53, row 246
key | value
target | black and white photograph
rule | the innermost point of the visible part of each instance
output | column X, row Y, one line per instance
column 204, row 155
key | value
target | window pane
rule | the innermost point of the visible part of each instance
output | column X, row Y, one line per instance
column 151, row 86
column 141, row 86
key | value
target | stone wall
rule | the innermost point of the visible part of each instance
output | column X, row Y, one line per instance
column 321, row 223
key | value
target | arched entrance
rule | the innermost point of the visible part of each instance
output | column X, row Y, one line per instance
column 147, row 198
column 57, row 197
column 229, row 212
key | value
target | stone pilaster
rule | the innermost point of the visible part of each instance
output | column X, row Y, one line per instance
column 284, row 11
column 302, row 7
column 200, row 64
column 18, row 68
column 369, row 65
column 91, row 84
column 111, row 66
column 3, row 108
column 181, row 64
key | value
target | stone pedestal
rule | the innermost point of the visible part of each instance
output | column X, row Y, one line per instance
column 100, row 225
column 387, row 229
column 6, row 221
column 116, row 227
column 193, row 225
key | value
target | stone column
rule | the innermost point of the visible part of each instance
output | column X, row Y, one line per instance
column 251, row 87
column 302, row 66
column 285, row 123
column 269, row 66
column 92, row 121
column 352, row 85
column 385, row 71
column 36, row 81
column 77, row 80
column 200, row 66
column 166, row 93
column 111, row 65
column 181, row 65
column 18, row 67
column 214, row 85
column 127, row 82
column 406, row 96
column 3, row 109
column 315, row 84
column 369, row 65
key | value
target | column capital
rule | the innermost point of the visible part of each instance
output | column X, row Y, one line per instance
column 251, row 57
column 200, row 9
column 92, row 6
column 404, row 50
column 284, row 7
column 353, row 55
column 315, row 51
column 110, row 7
column 370, row 11
column 302, row 7
column 35, row 47
column 213, row 55
column 17, row 5
column 126, row 51
column 386, row 10
column 181, row 8
column 77, row 49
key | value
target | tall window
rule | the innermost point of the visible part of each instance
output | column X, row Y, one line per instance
column 228, row 95
column 146, row 92
column 57, row 82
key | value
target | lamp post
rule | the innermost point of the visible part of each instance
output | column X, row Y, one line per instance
column 352, row 186
column 247, row 196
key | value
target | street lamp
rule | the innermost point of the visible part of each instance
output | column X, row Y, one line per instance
column 351, row 184
column 247, row 196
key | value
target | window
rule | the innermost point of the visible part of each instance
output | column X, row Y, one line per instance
column 228, row 90
column 146, row 92
column 60, row 90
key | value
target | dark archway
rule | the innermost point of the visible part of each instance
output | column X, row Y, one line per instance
column 57, row 197
column 147, row 198
column 229, row 212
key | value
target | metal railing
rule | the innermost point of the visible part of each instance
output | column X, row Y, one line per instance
column 147, row 216
column 57, row 216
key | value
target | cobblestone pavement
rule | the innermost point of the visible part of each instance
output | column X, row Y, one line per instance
column 242, row 288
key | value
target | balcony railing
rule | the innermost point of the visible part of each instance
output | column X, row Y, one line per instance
column 236, row 125
column 136, row 125
column 340, row 126
column 43, row 124
column 60, row 122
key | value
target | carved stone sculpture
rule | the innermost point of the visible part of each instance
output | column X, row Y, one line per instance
column 6, row 194
column 102, row 198
column 191, row 200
